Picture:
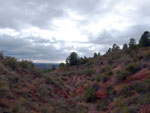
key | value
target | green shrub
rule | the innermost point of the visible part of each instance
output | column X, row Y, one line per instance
column 124, row 91
column 104, row 77
column 141, row 87
column 110, row 62
column 121, row 76
column 89, row 72
column 1, row 56
column 43, row 91
column 144, row 99
column 26, row 64
column 61, row 65
column 105, row 69
column 131, row 68
column 147, row 56
column 11, row 62
column 119, row 102
column 95, row 87
column 4, row 88
column 19, row 109
column 49, row 79
column 100, row 107
column 89, row 63
column 89, row 94
column 137, row 58
column 125, row 72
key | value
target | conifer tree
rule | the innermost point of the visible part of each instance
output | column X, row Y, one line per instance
column 144, row 40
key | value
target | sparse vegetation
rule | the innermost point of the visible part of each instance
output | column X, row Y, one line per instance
column 10, row 62
column 116, row 82
column 89, row 94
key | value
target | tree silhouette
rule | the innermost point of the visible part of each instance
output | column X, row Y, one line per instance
column 144, row 40
column 72, row 59
column 132, row 43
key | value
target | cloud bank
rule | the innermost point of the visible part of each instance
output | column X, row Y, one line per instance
column 48, row 30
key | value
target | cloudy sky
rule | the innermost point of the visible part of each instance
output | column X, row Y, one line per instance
column 48, row 30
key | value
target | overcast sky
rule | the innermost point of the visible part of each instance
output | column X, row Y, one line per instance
column 48, row 30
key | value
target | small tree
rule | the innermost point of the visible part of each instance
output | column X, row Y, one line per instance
column 115, row 47
column 125, row 47
column 11, row 62
column 72, row 59
column 99, row 54
column 132, row 43
column 95, row 55
column 109, row 51
column 53, row 67
column 1, row 55
column 144, row 40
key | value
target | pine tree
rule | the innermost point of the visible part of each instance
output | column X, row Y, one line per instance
column 125, row 47
column 132, row 43
column 115, row 47
column 95, row 55
column 72, row 59
column 144, row 40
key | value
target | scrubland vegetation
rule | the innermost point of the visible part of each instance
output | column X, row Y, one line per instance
column 116, row 82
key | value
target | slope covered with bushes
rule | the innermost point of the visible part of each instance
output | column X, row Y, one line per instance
column 116, row 82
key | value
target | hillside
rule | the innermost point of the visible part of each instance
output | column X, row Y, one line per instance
column 116, row 82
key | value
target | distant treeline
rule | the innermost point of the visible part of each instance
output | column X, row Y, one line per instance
column 74, row 59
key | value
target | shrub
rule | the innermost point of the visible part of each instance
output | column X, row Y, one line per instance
column 100, row 107
column 26, row 64
column 49, row 79
column 125, row 72
column 111, row 92
column 11, row 62
column 46, row 108
column 118, row 102
column 61, row 65
column 110, row 62
column 105, row 69
column 124, row 91
column 1, row 56
column 89, row 63
column 89, row 72
column 120, row 76
column 137, row 58
column 4, row 89
column 19, row 109
column 53, row 67
column 125, row 60
column 104, row 77
column 141, row 87
column 43, row 91
column 147, row 56
column 14, row 78
column 89, row 94
column 95, row 86
column 131, row 68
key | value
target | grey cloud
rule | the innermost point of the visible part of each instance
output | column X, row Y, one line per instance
column 20, row 13
column 39, row 13
column 24, row 49
column 109, row 37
